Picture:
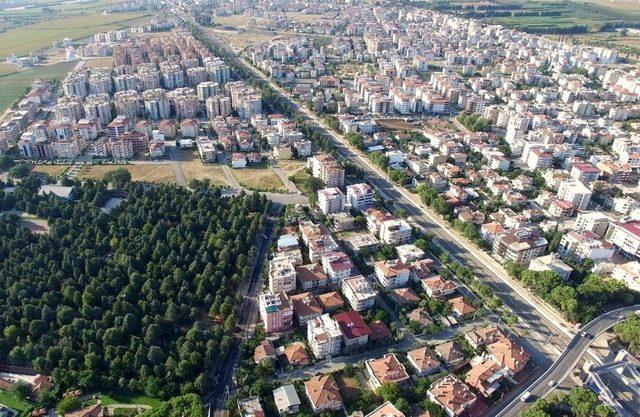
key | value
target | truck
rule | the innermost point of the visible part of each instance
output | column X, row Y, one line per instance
column 525, row 397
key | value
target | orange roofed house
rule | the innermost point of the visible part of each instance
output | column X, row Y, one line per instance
column 453, row 395
column 386, row 410
column 323, row 393
column 485, row 376
column 509, row 354
column 385, row 369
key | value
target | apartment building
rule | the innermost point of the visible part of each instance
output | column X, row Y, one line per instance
column 395, row 232
column 391, row 273
column 324, row 336
column 593, row 221
column 584, row 244
column 360, row 196
column 282, row 275
column 327, row 169
column 355, row 332
column 387, row 369
column 576, row 193
column 331, row 200
column 358, row 292
column 625, row 237
column 276, row 311
column 337, row 266
column 323, row 393
column 519, row 245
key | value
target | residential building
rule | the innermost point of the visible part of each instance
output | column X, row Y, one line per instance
column 629, row 273
column 358, row 292
column 453, row 395
column 337, row 266
column 625, row 237
column 311, row 277
column 409, row 253
column 508, row 354
column 593, row 221
column 423, row 361
column 355, row 332
column 386, row 410
column 250, row 407
column 395, row 232
column 461, row 307
column 485, row 377
column 391, row 273
column 305, row 307
column 327, row 169
column 323, row 393
column 324, row 336
column 282, row 275
column 385, row 370
column 576, row 193
column 438, row 287
column 331, row 200
column 360, row 196
column 276, row 311
column 585, row 244
column 286, row 399
column 551, row 262
column 519, row 245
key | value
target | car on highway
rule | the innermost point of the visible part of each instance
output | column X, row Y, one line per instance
column 525, row 397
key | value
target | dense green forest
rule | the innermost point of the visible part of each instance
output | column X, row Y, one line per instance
column 140, row 298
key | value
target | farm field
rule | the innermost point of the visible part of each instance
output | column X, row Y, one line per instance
column 258, row 179
column 13, row 86
column 29, row 38
column 153, row 173
column 193, row 168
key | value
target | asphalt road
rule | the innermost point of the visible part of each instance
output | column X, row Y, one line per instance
column 564, row 364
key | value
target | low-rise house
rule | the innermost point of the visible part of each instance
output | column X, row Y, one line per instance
column 453, row 395
column 451, row 353
column 355, row 331
column 264, row 352
column 438, row 287
column 404, row 296
column 461, row 308
column 323, row 393
column 421, row 316
column 385, row 369
column 386, row 410
column 423, row 361
column 286, row 399
column 330, row 301
column 359, row 293
column 509, row 354
column 485, row 377
column 421, row 269
column 250, row 407
column 391, row 273
column 379, row 331
column 483, row 336
column 295, row 354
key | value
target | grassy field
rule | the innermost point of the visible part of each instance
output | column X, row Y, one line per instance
column 590, row 13
column 30, row 38
column 154, row 173
column 13, row 86
column 129, row 398
column 193, row 168
column 258, row 179
column 292, row 167
column 53, row 170
column 12, row 402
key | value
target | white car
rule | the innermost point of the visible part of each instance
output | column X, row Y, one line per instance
column 552, row 383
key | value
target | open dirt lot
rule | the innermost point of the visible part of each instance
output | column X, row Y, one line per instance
column 258, row 179
column 193, row 168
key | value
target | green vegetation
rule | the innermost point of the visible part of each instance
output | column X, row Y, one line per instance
column 69, row 404
column 185, row 405
column 124, row 300
column 31, row 38
column 125, row 397
column 579, row 303
column 14, row 85
column 10, row 400
column 582, row 401
column 629, row 333
column 475, row 122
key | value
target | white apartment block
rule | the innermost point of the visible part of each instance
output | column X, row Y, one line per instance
column 331, row 200
column 358, row 292
column 585, row 244
column 593, row 221
column 359, row 196
column 395, row 232
column 391, row 273
column 626, row 237
column 576, row 193
column 282, row 275
column 324, row 336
